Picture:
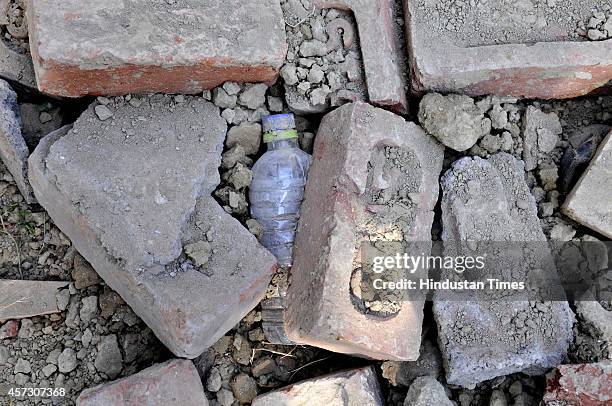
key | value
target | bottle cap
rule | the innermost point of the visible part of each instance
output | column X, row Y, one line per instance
column 278, row 127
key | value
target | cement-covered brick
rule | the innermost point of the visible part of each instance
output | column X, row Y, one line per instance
column 17, row 67
column 353, row 387
column 83, row 47
column 590, row 202
column 175, row 382
column 545, row 65
column 336, row 214
column 582, row 384
column 131, row 192
column 13, row 149
column 483, row 337
column 382, row 54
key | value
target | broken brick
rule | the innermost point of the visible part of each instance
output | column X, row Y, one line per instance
column 483, row 337
column 9, row 329
column 175, row 382
column 131, row 215
column 583, row 384
column 13, row 149
column 457, row 58
column 354, row 387
column 160, row 46
column 17, row 67
column 590, row 202
column 24, row 299
column 379, row 49
column 334, row 222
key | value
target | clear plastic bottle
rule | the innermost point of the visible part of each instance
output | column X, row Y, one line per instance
column 277, row 189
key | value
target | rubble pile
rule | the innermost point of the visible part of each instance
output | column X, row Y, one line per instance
column 131, row 270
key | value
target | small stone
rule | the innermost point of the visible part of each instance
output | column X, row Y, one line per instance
column 199, row 252
column 109, row 360
column 231, row 88
column 103, row 112
column 241, row 177
column 275, row 104
column 86, row 338
column 254, row 97
column 67, row 361
column 63, row 298
column 225, row 397
column 4, row 355
column 89, row 308
column 244, row 388
column 224, row 100
column 263, row 366
column 83, row 274
column 289, row 74
column 214, row 381
column 454, row 120
column 247, row 136
column 49, row 370
column 109, row 302
column 313, row 48
column 27, row 329
column 316, row 75
column 427, row 391
column 22, row 366
column 45, row 117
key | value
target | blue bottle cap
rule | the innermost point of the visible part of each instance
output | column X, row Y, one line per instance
column 278, row 122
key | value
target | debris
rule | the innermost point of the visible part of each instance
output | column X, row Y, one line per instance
column 454, row 120
column 538, row 127
column 24, row 299
column 426, row 391
column 247, row 135
column 13, row 149
column 590, row 202
column 109, row 360
column 173, row 382
column 482, row 338
column 17, row 67
column 355, row 387
column 359, row 134
column 185, row 51
column 586, row 384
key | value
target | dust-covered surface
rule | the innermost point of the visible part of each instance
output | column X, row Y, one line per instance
column 97, row 337
column 492, row 22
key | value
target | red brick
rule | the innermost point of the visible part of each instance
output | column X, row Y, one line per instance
column 380, row 51
column 9, row 329
column 546, row 70
column 175, row 382
column 580, row 385
column 319, row 307
column 87, row 47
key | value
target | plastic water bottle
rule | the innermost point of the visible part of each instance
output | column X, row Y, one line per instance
column 277, row 189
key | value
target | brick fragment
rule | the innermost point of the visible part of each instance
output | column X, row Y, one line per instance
column 17, row 67
column 354, row 387
column 379, row 48
column 583, row 384
column 88, row 47
column 334, row 222
column 131, row 192
column 590, row 202
column 24, row 299
column 547, row 66
column 13, row 149
column 486, row 337
column 175, row 382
